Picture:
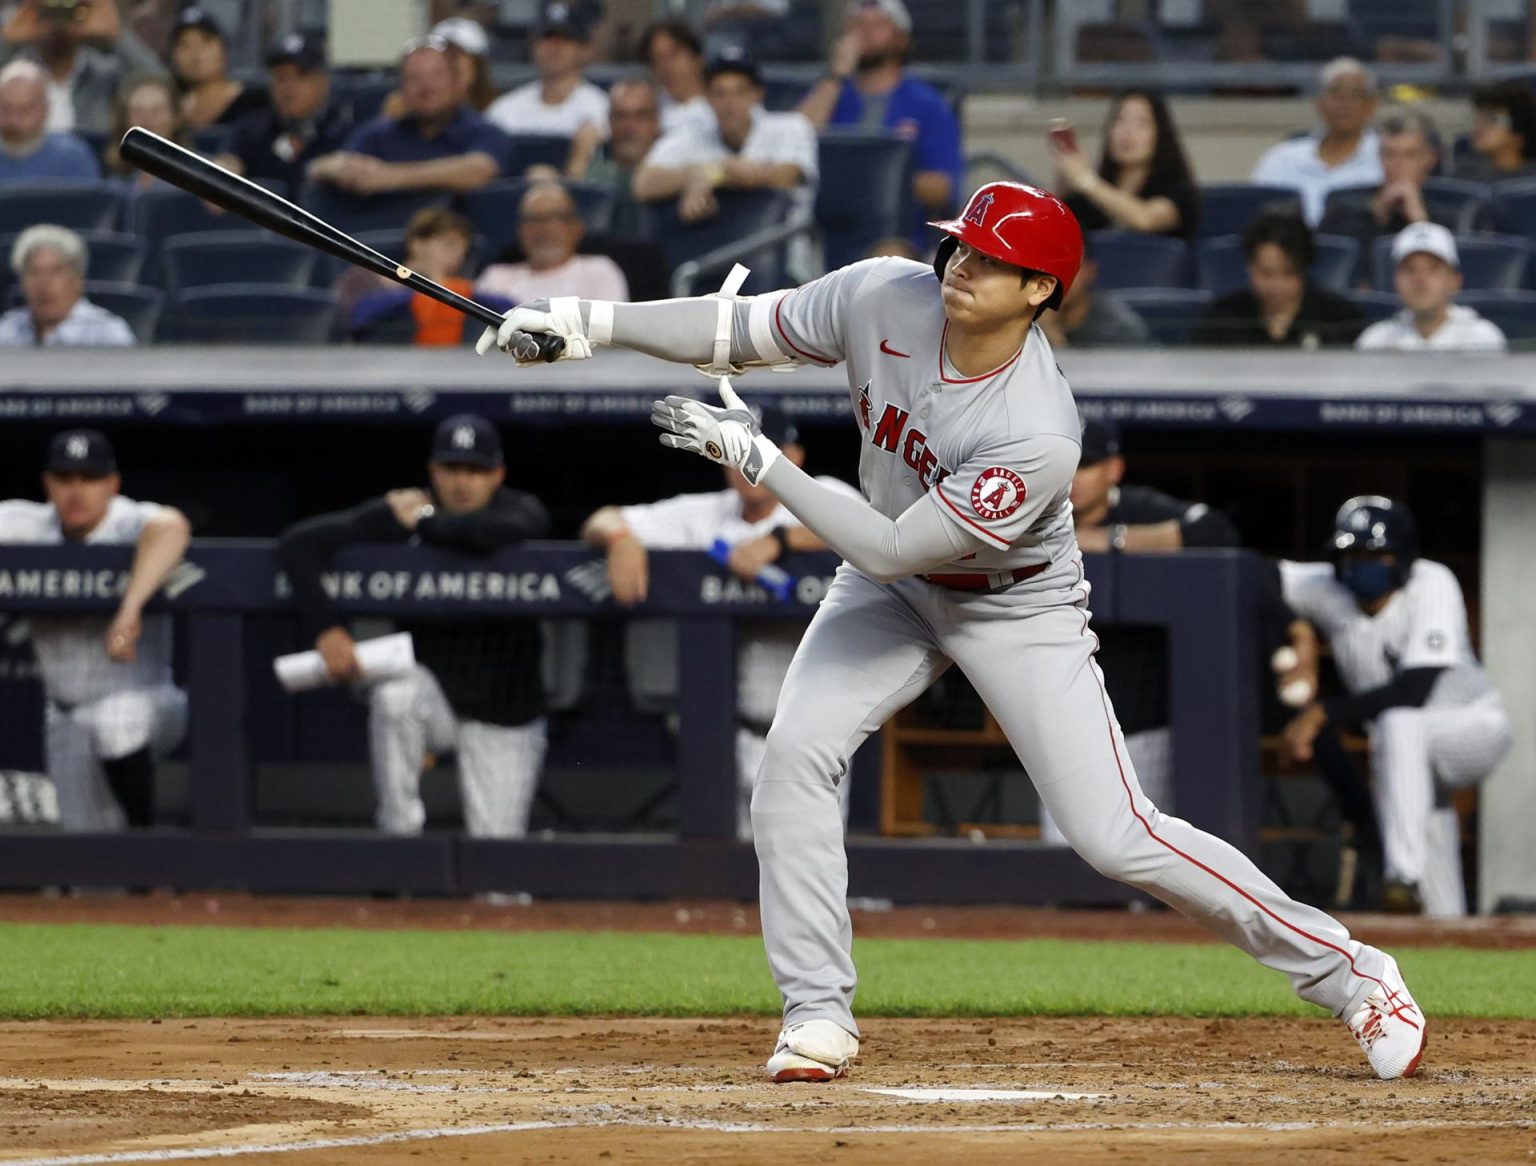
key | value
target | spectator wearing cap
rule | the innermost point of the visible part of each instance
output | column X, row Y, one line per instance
column 1093, row 317
column 299, row 124
column 866, row 85
column 50, row 261
column 1503, row 133
column 438, row 143
column 469, row 48
column 111, row 707
column 153, row 103
column 747, row 148
column 199, row 55
column 29, row 151
column 85, row 52
column 477, row 688
column 673, row 53
column 760, row 531
column 1281, row 305
column 634, row 126
column 1427, row 278
column 1343, row 152
column 562, row 101
column 549, row 230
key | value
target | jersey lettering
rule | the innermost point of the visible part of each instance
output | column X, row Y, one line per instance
column 917, row 455
column 888, row 432
column 864, row 406
column 914, row 451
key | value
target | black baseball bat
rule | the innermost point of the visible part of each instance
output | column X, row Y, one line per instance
column 181, row 167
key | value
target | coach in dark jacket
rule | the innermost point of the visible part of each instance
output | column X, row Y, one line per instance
column 477, row 686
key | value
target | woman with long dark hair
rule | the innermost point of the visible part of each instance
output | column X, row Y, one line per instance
column 1143, row 182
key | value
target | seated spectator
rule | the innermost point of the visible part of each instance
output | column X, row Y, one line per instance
column 300, row 124
column 199, row 57
column 28, row 151
column 550, row 230
column 476, row 689
column 1503, row 134
column 152, row 103
column 675, row 57
column 562, row 101
column 1428, row 276
column 634, row 126
column 1093, row 317
column 469, row 48
column 867, row 86
column 439, row 143
column 85, row 52
column 112, row 708
column 1282, row 306
column 1343, row 152
column 50, row 261
column 1143, row 182
column 1410, row 152
column 747, row 148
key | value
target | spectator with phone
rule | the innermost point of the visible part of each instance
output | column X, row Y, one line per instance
column 1143, row 181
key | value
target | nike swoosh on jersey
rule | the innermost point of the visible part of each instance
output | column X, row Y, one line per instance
column 885, row 347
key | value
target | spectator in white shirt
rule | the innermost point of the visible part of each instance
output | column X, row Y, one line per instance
column 1343, row 152
column 561, row 102
column 50, row 262
column 671, row 50
column 549, row 229
column 747, row 148
column 1427, row 280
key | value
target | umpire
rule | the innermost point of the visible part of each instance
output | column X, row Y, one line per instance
column 477, row 688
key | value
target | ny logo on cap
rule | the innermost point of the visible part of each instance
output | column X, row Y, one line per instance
column 464, row 437
column 978, row 210
column 78, row 448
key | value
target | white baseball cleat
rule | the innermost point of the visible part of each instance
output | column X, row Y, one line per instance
column 815, row 1050
column 1391, row 1027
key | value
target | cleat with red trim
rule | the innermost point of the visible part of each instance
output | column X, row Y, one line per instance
column 1391, row 1027
column 814, row 1050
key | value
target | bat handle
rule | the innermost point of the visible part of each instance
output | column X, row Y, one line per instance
column 550, row 347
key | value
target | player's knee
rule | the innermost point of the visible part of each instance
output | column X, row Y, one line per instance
column 791, row 753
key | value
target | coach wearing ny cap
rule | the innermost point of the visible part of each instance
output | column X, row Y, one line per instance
column 300, row 123
column 477, row 689
column 112, row 708
column 1427, row 278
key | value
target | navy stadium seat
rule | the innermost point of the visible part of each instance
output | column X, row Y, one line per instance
column 234, row 257
column 246, row 313
column 1171, row 313
column 1226, row 208
column 1374, row 305
column 1221, row 266
column 365, row 94
column 138, row 306
column 1514, row 206
column 161, row 212
column 110, row 256
column 1488, row 262
column 863, row 191
column 380, row 212
column 1461, row 205
column 1133, row 259
column 493, row 210
column 1513, row 311
column 80, row 206
column 742, row 213
column 539, row 150
column 210, row 140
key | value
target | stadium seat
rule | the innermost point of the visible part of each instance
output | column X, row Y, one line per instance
column 1514, row 206
column 539, row 150
column 493, row 210
column 111, row 256
column 781, row 93
column 380, row 212
column 138, row 306
column 366, row 94
column 1171, row 313
column 1513, row 311
column 1132, row 259
column 161, row 212
column 1463, row 206
column 250, row 313
column 1375, row 305
column 863, row 193
column 234, row 257
column 210, row 140
column 1222, row 268
column 742, row 213
column 1228, row 208
column 81, row 206
column 1487, row 261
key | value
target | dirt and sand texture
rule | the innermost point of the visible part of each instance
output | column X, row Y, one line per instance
column 596, row 1089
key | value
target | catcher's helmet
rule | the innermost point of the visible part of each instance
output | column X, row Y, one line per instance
column 1372, row 523
column 1018, row 224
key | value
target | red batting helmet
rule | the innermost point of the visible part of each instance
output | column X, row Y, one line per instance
column 1020, row 225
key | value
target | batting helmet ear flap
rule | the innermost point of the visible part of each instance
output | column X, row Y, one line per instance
column 941, row 257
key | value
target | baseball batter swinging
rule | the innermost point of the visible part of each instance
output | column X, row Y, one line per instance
column 963, row 554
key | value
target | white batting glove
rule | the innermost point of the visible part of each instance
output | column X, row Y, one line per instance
column 730, row 436
column 520, row 327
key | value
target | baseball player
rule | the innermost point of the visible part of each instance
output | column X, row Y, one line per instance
column 760, row 530
column 965, row 555
column 1397, row 625
column 111, row 706
column 477, row 688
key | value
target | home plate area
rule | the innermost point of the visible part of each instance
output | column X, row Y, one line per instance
column 498, row 1090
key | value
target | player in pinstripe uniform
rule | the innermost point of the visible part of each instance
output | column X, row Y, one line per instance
column 1397, row 625
column 112, row 708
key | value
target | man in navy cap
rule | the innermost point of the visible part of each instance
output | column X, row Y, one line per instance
column 477, row 688
column 111, row 705
column 300, row 124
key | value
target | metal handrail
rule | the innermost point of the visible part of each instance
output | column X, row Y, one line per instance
column 798, row 224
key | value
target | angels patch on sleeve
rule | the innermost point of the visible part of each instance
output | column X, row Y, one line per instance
column 997, row 493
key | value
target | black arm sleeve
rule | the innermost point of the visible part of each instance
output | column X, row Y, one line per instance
column 511, row 517
column 1410, row 689
column 305, row 550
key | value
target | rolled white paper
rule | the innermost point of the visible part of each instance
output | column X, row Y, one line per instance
column 377, row 659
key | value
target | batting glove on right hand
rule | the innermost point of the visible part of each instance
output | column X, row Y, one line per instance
column 523, row 328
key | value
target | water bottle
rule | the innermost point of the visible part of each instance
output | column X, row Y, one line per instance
column 773, row 579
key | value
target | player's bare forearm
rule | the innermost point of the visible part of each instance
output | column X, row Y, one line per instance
column 604, row 527
column 162, row 544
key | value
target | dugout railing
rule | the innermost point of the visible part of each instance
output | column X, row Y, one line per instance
column 1205, row 600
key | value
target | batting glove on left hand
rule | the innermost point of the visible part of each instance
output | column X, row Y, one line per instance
column 730, row 436
column 520, row 331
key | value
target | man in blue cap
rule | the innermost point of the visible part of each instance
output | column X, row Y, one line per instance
column 477, row 687
column 300, row 124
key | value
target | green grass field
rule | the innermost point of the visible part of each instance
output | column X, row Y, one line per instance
column 127, row 972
